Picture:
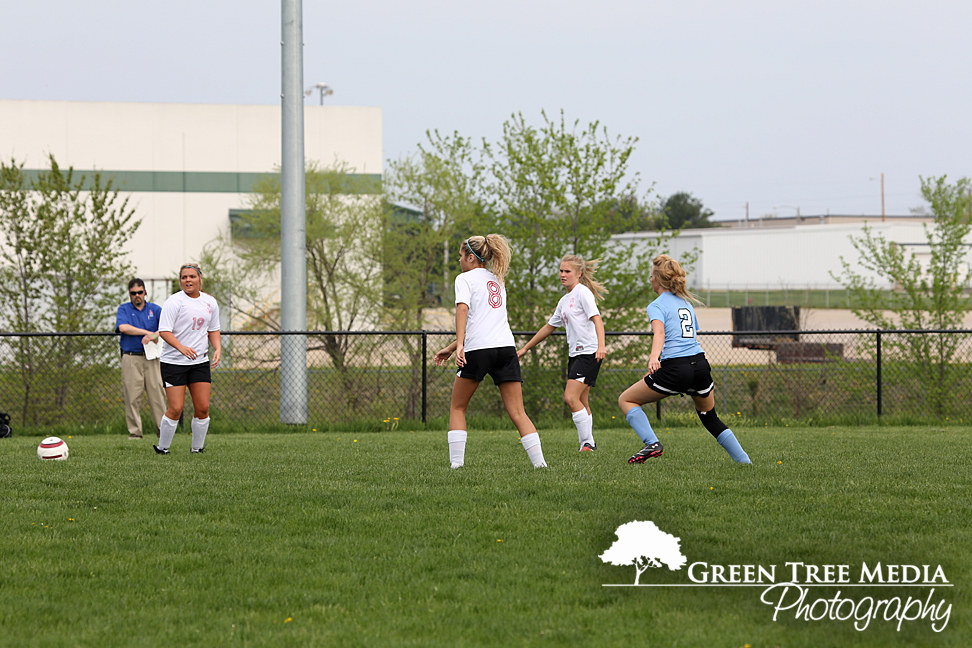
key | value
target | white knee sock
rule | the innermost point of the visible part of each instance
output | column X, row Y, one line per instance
column 199, row 429
column 167, row 429
column 531, row 443
column 457, row 448
column 585, row 425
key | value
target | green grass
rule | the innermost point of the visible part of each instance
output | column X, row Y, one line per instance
column 368, row 539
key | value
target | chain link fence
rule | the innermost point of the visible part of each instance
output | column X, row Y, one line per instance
column 379, row 378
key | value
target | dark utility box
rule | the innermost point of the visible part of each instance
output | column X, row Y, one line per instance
column 765, row 318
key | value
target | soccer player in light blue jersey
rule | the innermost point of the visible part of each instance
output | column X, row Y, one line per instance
column 676, row 365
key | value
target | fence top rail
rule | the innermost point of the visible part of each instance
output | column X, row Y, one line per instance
column 452, row 333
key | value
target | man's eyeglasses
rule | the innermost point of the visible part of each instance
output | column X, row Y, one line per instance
column 135, row 293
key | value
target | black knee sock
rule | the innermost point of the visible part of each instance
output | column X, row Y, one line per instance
column 712, row 423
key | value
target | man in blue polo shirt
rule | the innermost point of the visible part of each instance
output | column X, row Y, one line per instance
column 138, row 323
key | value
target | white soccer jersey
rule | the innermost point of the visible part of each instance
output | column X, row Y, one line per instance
column 574, row 313
column 190, row 321
column 487, row 326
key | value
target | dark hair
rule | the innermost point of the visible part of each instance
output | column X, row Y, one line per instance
column 135, row 282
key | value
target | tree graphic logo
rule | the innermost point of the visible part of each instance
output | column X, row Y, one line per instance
column 644, row 545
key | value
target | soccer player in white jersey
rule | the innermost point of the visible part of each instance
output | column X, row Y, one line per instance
column 484, row 344
column 578, row 313
column 189, row 324
column 676, row 364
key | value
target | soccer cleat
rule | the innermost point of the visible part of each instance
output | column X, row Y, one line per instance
column 650, row 451
column 588, row 447
column 159, row 450
column 200, row 450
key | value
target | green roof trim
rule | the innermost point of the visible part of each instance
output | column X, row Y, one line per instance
column 189, row 181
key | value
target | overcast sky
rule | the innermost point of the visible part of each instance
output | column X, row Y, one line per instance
column 777, row 103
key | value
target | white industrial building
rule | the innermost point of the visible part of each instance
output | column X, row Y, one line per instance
column 784, row 254
column 183, row 167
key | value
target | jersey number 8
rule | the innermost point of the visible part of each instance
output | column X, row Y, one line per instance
column 495, row 296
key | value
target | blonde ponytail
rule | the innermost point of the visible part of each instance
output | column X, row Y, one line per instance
column 493, row 250
column 671, row 276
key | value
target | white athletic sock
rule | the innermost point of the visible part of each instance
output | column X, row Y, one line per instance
column 199, row 429
column 531, row 443
column 167, row 428
column 457, row 448
column 584, row 423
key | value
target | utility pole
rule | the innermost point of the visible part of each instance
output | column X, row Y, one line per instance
column 882, row 197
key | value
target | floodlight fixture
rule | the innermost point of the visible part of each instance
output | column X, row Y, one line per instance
column 324, row 89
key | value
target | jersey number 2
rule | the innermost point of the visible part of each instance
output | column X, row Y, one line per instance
column 688, row 330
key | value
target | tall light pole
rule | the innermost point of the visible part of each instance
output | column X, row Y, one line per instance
column 325, row 89
column 293, row 220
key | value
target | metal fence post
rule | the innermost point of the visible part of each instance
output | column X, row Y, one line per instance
column 658, row 409
column 879, row 373
column 425, row 366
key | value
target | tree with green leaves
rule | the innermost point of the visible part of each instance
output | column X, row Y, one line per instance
column 633, row 214
column 927, row 295
column 562, row 189
column 682, row 210
column 343, row 248
column 433, row 198
column 64, row 269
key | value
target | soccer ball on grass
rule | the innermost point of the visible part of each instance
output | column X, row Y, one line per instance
column 52, row 448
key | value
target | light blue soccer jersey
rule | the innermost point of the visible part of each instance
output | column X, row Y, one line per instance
column 681, row 325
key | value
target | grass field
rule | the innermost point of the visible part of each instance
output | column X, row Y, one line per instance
column 368, row 539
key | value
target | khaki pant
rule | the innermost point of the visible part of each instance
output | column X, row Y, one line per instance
column 141, row 376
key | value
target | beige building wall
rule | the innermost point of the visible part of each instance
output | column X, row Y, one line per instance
column 183, row 167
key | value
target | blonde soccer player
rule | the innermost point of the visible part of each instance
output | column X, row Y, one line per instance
column 484, row 344
column 676, row 365
column 578, row 313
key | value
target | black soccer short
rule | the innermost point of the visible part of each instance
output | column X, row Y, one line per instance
column 583, row 368
column 501, row 363
column 689, row 375
column 174, row 375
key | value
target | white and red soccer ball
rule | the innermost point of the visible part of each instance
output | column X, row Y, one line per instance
column 52, row 448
